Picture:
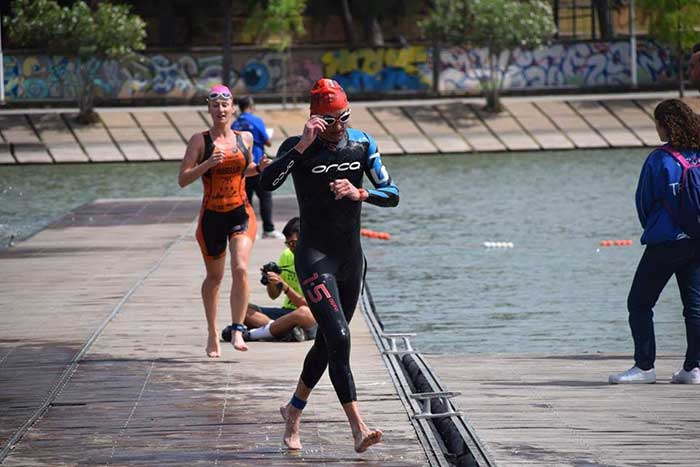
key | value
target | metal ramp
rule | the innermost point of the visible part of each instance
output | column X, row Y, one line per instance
column 442, row 429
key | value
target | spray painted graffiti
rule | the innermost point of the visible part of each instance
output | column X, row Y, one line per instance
column 559, row 66
column 52, row 77
column 379, row 70
column 43, row 77
column 407, row 69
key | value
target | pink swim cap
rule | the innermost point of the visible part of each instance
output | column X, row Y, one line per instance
column 219, row 91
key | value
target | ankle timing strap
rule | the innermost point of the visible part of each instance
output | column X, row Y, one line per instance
column 297, row 403
column 238, row 327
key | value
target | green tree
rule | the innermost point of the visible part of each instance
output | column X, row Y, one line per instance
column 89, row 36
column 499, row 26
column 277, row 23
column 676, row 24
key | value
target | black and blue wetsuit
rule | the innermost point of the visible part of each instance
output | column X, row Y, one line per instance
column 328, row 258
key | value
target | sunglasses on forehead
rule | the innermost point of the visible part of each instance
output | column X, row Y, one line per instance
column 343, row 118
column 219, row 95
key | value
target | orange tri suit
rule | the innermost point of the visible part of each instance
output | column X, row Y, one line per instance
column 225, row 209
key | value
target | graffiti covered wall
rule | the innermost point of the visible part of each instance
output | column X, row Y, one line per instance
column 580, row 65
column 379, row 70
column 173, row 76
column 185, row 76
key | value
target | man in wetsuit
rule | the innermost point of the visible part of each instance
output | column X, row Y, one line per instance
column 327, row 163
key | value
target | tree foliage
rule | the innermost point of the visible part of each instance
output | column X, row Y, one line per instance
column 448, row 22
column 277, row 23
column 675, row 23
column 506, row 24
column 108, row 32
column 499, row 26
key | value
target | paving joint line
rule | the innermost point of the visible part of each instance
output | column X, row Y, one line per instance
column 75, row 361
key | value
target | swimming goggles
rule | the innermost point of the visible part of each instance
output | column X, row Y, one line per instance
column 219, row 95
column 330, row 121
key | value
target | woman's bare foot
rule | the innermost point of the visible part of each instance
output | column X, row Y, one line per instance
column 213, row 349
column 238, row 342
column 366, row 438
column 292, row 418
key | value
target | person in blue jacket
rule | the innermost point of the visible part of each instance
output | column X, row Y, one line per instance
column 668, row 249
column 248, row 121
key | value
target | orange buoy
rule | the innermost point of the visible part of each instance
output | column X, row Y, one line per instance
column 607, row 243
column 374, row 234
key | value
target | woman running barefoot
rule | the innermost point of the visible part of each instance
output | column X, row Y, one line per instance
column 221, row 157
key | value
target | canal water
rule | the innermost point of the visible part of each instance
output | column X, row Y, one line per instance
column 555, row 290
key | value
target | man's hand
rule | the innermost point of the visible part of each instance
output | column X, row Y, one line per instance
column 313, row 127
column 342, row 188
column 275, row 279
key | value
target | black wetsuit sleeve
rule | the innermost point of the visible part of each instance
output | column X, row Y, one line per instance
column 385, row 192
column 276, row 173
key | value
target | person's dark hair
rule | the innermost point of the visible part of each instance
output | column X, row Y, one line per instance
column 291, row 228
column 244, row 103
column 680, row 122
column 696, row 48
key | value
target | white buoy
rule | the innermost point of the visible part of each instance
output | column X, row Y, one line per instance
column 498, row 244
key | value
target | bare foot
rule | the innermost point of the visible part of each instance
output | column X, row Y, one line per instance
column 292, row 417
column 238, row 342
column 366, row 438
column 213, row 349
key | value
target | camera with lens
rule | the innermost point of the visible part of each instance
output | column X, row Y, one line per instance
column 269, row 267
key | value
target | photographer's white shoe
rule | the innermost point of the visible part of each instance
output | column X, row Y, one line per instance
column 686, row 377
column 273, row 234
column 634, row 375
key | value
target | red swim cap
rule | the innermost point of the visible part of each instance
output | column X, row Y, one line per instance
column 327, row 96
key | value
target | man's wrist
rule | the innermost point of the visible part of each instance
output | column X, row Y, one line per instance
column 285, row 288
column 301, row 147
column 257, row 169
column 364, row 194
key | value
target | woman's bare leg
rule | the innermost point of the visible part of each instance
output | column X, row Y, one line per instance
column 210, row 298
column 240, row 252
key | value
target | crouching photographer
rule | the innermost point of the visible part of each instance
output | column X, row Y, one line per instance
column 293, row 320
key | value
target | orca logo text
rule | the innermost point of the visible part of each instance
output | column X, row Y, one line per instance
column 345, row 166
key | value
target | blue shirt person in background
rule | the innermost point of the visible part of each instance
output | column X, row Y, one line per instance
column 669, row 251
column 247, row 121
